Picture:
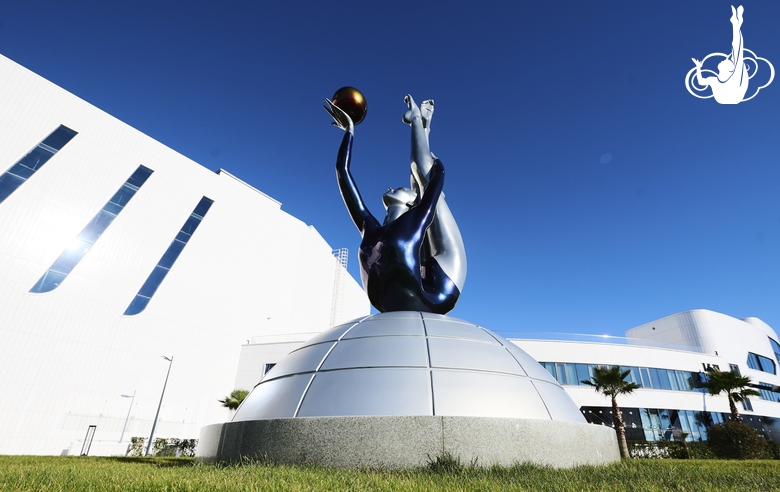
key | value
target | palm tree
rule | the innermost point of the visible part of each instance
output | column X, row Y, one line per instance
column 235, row 399
column 683, row 436
column 735, row 386
column 611, row 381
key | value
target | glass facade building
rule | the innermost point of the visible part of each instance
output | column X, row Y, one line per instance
column 654, row 424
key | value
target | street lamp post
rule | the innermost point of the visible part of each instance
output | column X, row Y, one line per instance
column 132, row 399
column 151, row 437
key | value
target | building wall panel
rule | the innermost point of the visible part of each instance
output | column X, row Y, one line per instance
column 68, row 355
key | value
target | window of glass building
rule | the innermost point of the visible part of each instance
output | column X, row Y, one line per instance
column 20, row 172
column 569, row 373
column 79, row 247
column 583, row 373
column 560, row 373
column 572, row 374
column 761, row 363
column 657, row 424
column 652, row 423
column 775, row 348
column 685, row 380
column 766, row 393
column 141, row 300
column 634, row 376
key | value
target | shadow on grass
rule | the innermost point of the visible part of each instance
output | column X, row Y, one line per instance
column 156, row 461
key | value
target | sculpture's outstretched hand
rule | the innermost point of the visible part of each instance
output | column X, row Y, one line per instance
column 340, row 118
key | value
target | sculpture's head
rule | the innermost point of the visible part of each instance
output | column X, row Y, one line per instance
column 399, row 196
column 397, row 202
column 725, row 70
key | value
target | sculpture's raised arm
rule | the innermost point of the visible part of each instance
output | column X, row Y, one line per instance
column 424, row 212
column 352, row 199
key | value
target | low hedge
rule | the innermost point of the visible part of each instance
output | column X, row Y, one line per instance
column 726, row 441
column 657, row 449
column 163, row 447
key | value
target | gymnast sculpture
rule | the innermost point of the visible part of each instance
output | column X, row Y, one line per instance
column 415, row 259
column 731, row 84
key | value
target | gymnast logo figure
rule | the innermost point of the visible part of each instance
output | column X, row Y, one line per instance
column 730, row 84
column 415, row 259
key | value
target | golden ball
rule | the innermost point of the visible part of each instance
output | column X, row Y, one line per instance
column 352, row 102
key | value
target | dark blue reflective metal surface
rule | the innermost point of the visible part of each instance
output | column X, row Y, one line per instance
column 394, row 275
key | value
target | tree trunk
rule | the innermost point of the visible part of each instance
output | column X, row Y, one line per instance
column 620, row 428
column 687, row 451
column 733, row 407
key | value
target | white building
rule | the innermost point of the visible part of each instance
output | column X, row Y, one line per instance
column 116, row 250
column 665, row 357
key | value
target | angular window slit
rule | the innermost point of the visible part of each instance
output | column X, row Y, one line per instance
column 20, row 172
column 79, row 247
column 168, row 258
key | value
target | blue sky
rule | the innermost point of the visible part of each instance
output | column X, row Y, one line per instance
column 594, row 193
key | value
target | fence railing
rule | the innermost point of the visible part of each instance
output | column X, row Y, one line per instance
column 588, row 338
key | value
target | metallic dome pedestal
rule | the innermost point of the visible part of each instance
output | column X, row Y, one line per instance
column 398, row 389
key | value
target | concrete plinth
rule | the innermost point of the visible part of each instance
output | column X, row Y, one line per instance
column 408, row 441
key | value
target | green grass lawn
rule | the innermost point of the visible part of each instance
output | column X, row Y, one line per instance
column 97, row 474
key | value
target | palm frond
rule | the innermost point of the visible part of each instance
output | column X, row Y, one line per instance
column 728, row 382
column 234, row 400
column 611, row 381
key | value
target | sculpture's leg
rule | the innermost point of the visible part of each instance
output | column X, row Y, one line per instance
column 737, row 42
column 426, row 111
column 421, row 153
column 443, row 239
column 737, row 48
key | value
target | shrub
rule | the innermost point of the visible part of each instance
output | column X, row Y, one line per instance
column 163, row 447
column 669, row 450
column 774, row 449
column 735, row 440
column 136, row 446
column 656, row 449
column 182, row 447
